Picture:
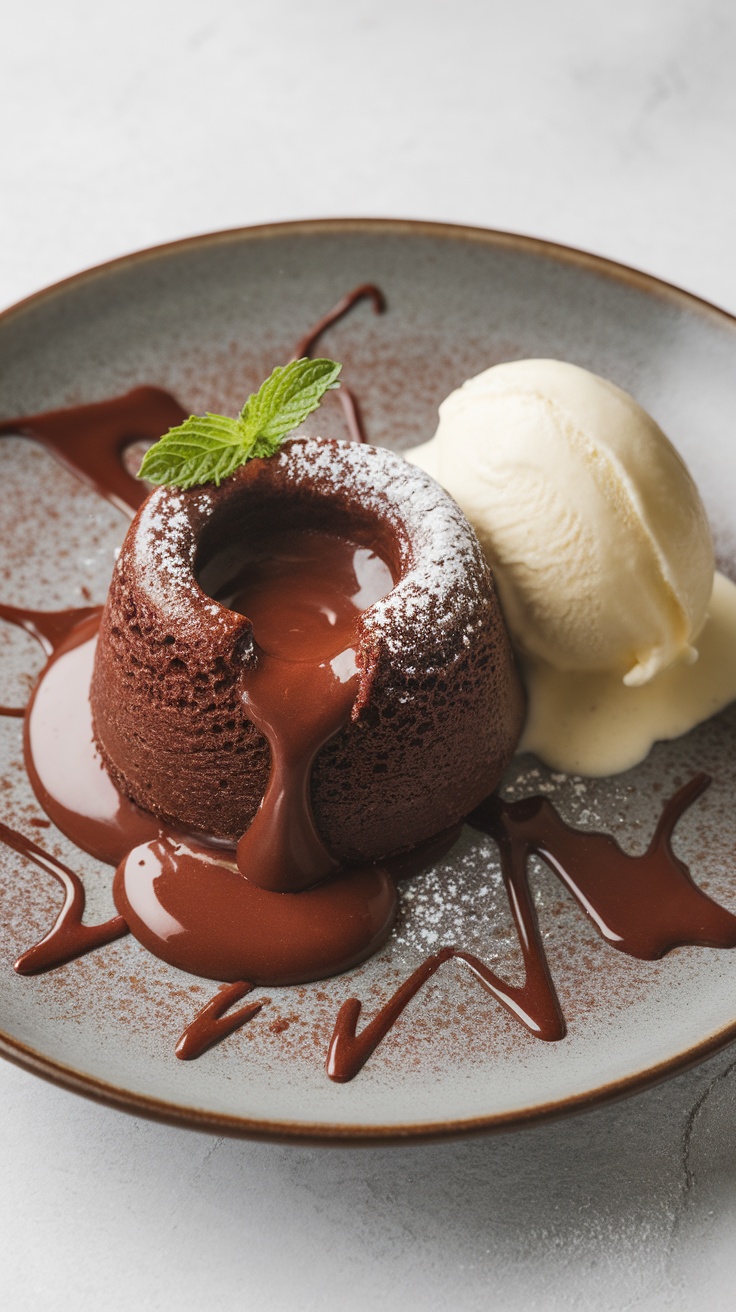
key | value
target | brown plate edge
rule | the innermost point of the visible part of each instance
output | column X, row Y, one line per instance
column 563, row 254
column 356, row 1135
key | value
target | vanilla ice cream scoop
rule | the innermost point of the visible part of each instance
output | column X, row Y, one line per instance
column 600, row 546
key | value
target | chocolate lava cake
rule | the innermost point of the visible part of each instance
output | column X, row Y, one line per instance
column 439, row 705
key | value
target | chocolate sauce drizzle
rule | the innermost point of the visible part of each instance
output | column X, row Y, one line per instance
column 281, row 849
column 68, row 938
column 307, row 343
column 211, row 1025
column 366, row 291
column 642, row 905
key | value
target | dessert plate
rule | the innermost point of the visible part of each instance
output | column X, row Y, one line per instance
column 207, row 319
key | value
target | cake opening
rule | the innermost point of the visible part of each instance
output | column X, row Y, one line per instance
column 302, row 589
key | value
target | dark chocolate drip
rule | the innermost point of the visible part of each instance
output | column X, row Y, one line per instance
column 90, row 439
column 68, row 938
column 642, row 905
column 211, row 1025
column 366, row 291
column 353, row 418
column 348, row 1051
column 50, row 628
column 307, row 343
column 298, row 707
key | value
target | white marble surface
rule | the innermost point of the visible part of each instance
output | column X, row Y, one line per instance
column 612, row 127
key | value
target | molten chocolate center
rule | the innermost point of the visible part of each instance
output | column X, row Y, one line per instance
column 302, row 591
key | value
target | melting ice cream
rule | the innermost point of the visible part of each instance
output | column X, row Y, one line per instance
column 603, row 557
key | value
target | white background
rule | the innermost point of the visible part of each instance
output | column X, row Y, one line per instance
column 609, row 126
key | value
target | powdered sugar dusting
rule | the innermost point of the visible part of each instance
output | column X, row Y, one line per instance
column 161, row 548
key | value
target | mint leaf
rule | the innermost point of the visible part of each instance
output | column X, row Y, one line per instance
column 203, row 449
column 209, row 448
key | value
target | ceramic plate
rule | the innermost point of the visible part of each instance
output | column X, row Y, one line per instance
column 208, row 319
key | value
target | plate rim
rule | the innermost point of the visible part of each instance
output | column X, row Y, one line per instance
column 352, row 1134
column 356, row 1134
column 502, row 238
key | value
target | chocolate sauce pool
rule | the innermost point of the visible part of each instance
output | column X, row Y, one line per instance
column 277, row 910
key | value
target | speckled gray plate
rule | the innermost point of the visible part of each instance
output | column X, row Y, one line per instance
column 208, row 319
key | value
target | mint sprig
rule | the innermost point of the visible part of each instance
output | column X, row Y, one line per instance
column 208, row 448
